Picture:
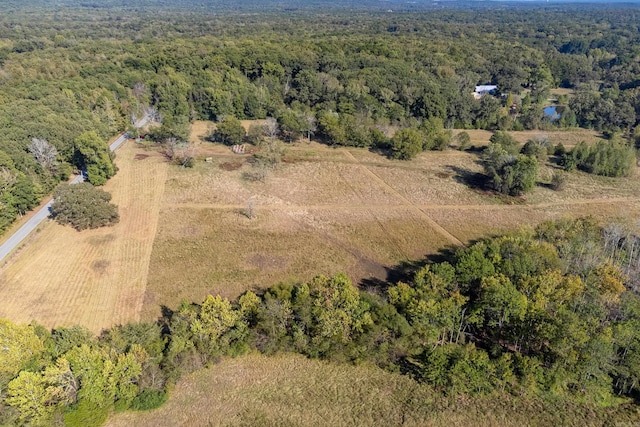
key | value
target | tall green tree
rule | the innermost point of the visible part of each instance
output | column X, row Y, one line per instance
column 92, row 154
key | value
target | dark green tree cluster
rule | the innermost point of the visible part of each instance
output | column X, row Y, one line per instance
column 18, row 192
column 83, row 206
column 92, row 154
column 607, row 158
column 548, row 312
column 229, row 131
column 509, row 173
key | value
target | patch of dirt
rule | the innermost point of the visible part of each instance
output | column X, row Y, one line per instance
column 140, row 156
column 100, row 266
column 190, row 231
column 231, row 166
column 443, row 175
column 101, row 240
column 265, row 262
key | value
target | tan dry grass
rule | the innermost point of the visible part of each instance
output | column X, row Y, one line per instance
column 334, row 209
column 95, row 278
column 472, row 223
column 284, row 390
column 200, row 130
column 210, row 249
column 289, row 390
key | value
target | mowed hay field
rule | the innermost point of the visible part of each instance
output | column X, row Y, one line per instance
column 289, row 390
column 95, row 278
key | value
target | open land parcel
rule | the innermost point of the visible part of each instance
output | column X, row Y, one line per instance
column 184, row 233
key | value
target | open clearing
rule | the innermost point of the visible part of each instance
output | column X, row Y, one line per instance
column 185, row 233
column 326, row 210
column 95, row 278
column 289, row 390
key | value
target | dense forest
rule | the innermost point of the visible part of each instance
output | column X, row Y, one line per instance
column 550, row 313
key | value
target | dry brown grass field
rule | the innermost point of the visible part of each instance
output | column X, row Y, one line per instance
column 289, row 390
column 184, row 233
column 95, row 278
column 325, row 210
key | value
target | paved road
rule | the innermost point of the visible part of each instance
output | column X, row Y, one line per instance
column 7, row 247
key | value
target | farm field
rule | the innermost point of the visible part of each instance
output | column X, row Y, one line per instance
column 326, row 210
column 95, row 278
column 292, row 390
column 184, row 233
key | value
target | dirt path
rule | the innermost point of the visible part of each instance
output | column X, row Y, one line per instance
column 407, row 203
column 289, row 207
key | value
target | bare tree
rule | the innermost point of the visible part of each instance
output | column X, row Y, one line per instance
column 180, row 153
column 44, row 153
column 311, row 124
column 613, row 234
column 270, row 128
column 138, row 90
column 153, row 114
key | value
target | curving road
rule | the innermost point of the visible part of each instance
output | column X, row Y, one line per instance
column 7, row 247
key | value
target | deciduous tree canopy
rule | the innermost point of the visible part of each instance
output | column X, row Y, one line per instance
column 83, row 206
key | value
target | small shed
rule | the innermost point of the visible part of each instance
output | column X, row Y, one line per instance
column 482, row 90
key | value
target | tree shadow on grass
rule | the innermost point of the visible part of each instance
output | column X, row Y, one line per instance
column 405, row 271
column 544, row 185
column 474, row 180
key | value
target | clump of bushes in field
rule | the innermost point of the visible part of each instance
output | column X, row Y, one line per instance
column 607, row 158
column 429, row 135
column 508, row 172
column 83, row 206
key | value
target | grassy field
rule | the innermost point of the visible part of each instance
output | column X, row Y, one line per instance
column 288, row 390
column 95, row 278
column 326, row 210
column 184, row 233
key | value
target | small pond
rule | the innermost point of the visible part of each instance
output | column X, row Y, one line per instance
column 552, row 112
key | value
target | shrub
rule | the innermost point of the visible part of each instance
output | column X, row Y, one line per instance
column 537, row 148
column 559, row 150
column 229, row 131
column 148, row 399
column 464, row 141
column 606, row 158
column 86, row 415
column 506, row 141
column 83, row 206
column 406, row 144
column 509, row 174
column 558, row 181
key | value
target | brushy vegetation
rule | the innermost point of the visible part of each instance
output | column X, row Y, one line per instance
column 551, row 312
column 607, row 158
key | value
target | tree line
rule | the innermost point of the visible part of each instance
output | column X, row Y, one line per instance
column 552, row 312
